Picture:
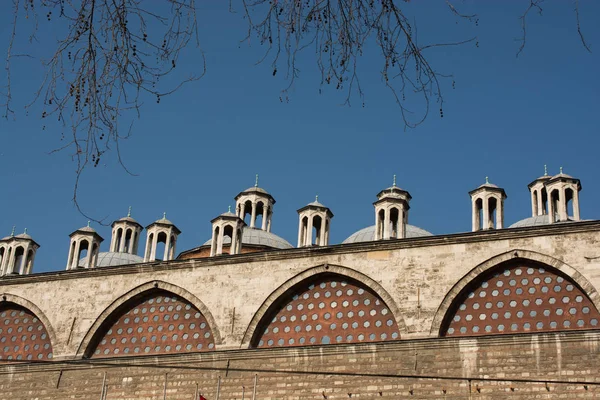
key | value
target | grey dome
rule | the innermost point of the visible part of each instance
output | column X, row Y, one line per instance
column 258, row 237
column 129, row 219
column 536, row 221
column 316, row 204
column 562, row 175
column 368, row 234
column 87, row 229
column 255, row 189
column 110, row 259
column 163, row 221
column 489, row 185
column 20, row 236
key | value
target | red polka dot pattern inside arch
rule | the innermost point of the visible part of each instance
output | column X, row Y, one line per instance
column 521, row 298
column 22, row 335
column 158, row 323
column 329, row 310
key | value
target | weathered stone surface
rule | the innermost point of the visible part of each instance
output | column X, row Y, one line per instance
column 417, row 279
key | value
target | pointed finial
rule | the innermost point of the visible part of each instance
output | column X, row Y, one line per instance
column 165, row 215
column 394, row 183
column 89, row 222
column 13, row 231
column 545, row 170
column 229, row 208
column 256, row 181
column 25, row 232
column 317, row 198
column 487, row 180
column 561, row 170
column 129, row 212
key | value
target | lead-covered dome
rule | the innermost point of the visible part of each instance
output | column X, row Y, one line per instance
column 537, row 221
column 368, row 234
column 110, row 259
column 258, row 237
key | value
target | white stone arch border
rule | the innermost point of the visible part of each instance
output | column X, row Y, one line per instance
column 139, row 291
column 517, row 254
column 311, row 272
column 20, row 301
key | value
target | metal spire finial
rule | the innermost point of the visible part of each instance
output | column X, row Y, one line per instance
column 89, row 222
column 545, row 170
column 487, row 180
column 317, row 198
column 561, row 170
column 164, row 215
column 129, row 212
column 394, row 184
column 13, row 231
column 229, row 208
column 256, row 181
column 25, row 231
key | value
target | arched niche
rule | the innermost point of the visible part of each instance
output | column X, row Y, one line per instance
column 343, row 301
column 25, row 332
column 518, row 292
column 177, row 319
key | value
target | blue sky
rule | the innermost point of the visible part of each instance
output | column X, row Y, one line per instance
column 197, row 149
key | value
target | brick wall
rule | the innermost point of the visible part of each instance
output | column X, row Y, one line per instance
column 537, row 366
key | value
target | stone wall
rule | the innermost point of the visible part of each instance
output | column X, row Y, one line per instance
column 536, row 366
column 417, row 278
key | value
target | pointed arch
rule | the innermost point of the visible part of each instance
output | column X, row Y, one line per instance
column 512, row 256
column 40, row 335
column 103, row 321
column 274, row 301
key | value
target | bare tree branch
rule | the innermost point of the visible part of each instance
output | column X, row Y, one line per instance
column 338, row 32
column 110, row 55
column 581, row 37
column 533, row 5
column 113, row 53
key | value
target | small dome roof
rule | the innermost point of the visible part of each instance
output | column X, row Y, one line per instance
column 258, row 237
column 163, row 221
column 128, row 219
column 316, row 204
column 488, row 185
column 368, row 234
column 87, row 229
column 110, row 259
column 24, row 236
column 256, row 189
column 393, row 191
column 392, row 188
column 562, row 175
column 537, row 221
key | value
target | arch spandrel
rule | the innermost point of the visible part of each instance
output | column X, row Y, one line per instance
column 325, row 305
column 518, row 292
column 183, row 323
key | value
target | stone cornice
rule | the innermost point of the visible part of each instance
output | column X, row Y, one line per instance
column 307, row 252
